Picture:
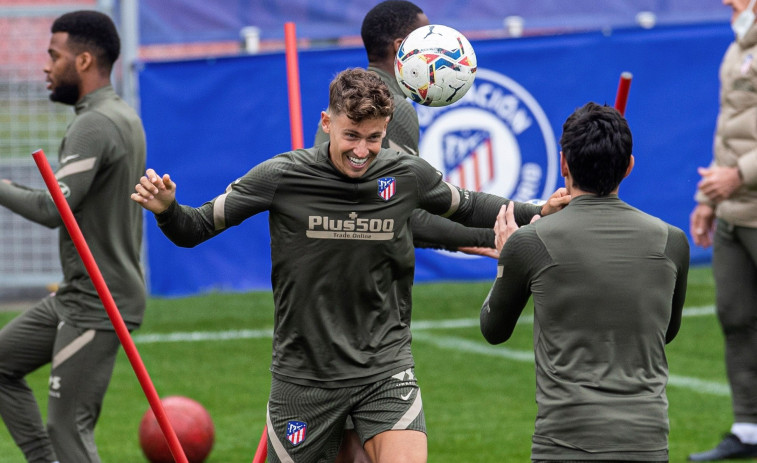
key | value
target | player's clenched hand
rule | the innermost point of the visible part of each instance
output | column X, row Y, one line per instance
column 559, row 199
column 153, row 192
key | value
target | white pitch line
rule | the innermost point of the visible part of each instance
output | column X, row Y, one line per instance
column 528, row 319
column 417, row 325
column 475, row 347
column 443, row 342
column 195, row 336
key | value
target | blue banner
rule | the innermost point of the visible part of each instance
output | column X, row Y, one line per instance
column 183, row 21
column 208, row 121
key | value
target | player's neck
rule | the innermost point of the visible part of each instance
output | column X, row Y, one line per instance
column 386, row 66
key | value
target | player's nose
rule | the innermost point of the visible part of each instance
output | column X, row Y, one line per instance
column 361, row 149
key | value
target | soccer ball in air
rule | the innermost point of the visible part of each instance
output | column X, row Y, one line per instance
column 191, row 423
column 435, row 65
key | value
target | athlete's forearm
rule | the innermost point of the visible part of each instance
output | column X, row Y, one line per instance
column 678, row 251
column 34, row 205
column 500, row 312
column 186, row 226
column 432, row 231
column 511, row 289
column 480, row 209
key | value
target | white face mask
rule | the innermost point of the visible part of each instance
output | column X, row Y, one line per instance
column 744, row 21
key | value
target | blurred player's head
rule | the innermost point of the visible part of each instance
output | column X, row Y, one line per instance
column 360, row 106
column 386, row 25
column 596, row 149
column 82, row 42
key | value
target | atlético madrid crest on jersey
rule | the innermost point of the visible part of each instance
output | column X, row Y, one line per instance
column 296, row 432
column 496, row 139
column 387, row 186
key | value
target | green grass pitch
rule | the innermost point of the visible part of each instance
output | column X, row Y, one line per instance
column 478, row 399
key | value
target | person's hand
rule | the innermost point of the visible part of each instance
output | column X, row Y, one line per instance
column 505, row 225
column 559, row 199
column 479, row 251
column 154, row 193
column 702, row 224
column 719, row 183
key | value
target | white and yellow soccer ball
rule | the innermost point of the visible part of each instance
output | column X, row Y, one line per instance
column 435, row 65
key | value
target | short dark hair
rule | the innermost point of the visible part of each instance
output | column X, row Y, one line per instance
column 597, row 145
column 386, row 22
column 91, row 31
column 360, row 95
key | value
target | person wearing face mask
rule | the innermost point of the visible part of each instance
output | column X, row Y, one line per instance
column 725, row 218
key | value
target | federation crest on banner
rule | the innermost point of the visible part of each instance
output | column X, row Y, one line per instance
column 496, row 139
column 296, row 431
column 387, row 186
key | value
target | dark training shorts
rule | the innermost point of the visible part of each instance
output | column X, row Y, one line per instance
column 306, row 423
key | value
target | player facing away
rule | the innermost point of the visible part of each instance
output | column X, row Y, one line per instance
column 608, row 284
column 100, row 155
column 342, row 272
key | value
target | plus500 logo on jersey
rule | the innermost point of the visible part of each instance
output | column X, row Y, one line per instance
column 350, row 228
column 496, row 139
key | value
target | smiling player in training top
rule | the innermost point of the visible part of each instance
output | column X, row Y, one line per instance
column 342, row 273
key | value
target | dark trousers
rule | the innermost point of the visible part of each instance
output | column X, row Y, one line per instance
column 734, row 266
column 82, row 363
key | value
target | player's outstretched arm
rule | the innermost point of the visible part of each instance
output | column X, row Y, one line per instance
column 153, row 192
column 433, row 231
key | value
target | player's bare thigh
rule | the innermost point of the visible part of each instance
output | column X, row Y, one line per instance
column 352, row 450
column 405, row 446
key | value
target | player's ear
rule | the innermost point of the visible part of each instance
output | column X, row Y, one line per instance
column 325, row 122
column 84, row 61
column 396, row 45
column 630, row 167
column 563, row 166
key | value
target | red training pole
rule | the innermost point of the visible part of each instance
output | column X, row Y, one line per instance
column 110, row 306
column 621, row 98
column 293, row 80
column 262, row 452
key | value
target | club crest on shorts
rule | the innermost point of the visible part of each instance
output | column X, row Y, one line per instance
column 296, row 432
column 496, row 139
column 387, row 186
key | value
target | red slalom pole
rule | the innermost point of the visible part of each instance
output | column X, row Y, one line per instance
column 262, row 452
column 621, row 98
column 110, row 305
column 293, row 80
